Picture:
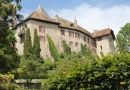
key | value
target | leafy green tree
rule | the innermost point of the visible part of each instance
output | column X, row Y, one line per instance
column 106, row 73
column 67, row 49
column 36, row 46
column 5, row 82
column 123, row 39
column 9, row 58
column 28, row 45
column 53, row 50
column 31, row 69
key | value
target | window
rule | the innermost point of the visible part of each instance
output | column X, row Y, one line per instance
column 42, row 38
column 91, row 42
column 84, row 38
column 94, row 44
column 77, row 35
column 41, row 29
column 71, row 34
column 100, row 47
column 70, row 43
column 62, row 32
column 76, row 44
column 22, row 39
column 88, row 40
column 100, row 38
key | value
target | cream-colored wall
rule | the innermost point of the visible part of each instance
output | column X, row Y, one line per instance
column 54, row 32
column 19, row 45
column 51, row 30
column 78, row 40
column 107, row 45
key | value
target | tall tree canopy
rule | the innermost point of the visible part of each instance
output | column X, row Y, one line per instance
column 8, row 55
column 28, row 45
column 36, row 46
column 123, row 39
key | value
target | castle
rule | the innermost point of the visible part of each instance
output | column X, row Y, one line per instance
column 60, row 29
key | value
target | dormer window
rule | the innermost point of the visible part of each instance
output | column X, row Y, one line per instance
column 71, row 24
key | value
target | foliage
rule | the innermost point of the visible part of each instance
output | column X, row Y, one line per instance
column 86, row 52
column 123, row 39
column 83, row 49
column 28, row 45
column 31, row 69
column 9, row 11
column 92, row 73
column 9, row 58
column 53, row 50
column 36, row 46
column 67, row 49
column 6, row 82
column 49, row 65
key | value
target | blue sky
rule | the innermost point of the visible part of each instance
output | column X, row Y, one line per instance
column 58, row 4
column 90, row 14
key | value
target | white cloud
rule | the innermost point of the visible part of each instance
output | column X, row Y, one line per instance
column 91, row 18
column 99, row 18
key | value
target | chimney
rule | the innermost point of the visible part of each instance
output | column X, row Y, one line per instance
column 75, row 22
column 94, row 32
column 56, row 18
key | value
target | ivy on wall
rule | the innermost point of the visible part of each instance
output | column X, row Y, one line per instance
column 53, row 50
column 67, row 49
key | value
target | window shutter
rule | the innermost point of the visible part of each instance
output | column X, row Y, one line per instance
column 43, row 29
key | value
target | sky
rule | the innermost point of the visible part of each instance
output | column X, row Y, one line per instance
column 90, row 14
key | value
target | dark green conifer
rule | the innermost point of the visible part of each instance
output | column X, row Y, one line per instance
column 36, row 46
column 28, row 45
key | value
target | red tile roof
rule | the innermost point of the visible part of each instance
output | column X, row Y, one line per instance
column 67, row 24
column 103, row 32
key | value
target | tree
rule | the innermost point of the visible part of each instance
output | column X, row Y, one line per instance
column 28, row 45
column 5, row 82
column 36, row 46
column 123, row 39
column 106, row 73
column 9, row 58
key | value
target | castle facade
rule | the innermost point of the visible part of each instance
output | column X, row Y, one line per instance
column 60, row 29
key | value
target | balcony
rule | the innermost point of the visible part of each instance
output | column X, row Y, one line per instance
column 21, row 33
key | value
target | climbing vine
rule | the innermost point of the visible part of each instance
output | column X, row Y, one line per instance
column 67, row 49
column 53, row 50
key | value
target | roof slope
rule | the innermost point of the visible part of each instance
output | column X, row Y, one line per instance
column 41, row 9
column 67, row 24
column 103, row 32
column 40, row 14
